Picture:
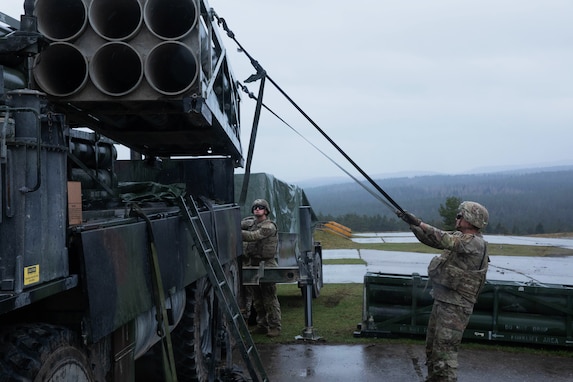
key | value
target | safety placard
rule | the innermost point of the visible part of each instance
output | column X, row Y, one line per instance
column 31, row 274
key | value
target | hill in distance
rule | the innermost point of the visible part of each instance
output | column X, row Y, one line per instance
column 526, row 200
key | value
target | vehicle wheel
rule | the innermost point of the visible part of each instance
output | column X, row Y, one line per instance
column 193, row 339
column 42, row 352
column 233, row 278
column 232, row 372
column 317, row 270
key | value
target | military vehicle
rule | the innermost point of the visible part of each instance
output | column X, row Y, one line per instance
column 104, row 260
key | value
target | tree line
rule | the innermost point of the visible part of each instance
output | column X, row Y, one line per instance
column 379, row 223
column 519, row 203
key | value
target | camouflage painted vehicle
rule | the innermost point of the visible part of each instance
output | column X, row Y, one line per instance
column 101, row 258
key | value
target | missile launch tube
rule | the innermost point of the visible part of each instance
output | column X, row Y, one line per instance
column 61, row 69
column 170, row 20
column 116, row 20
column 61, row 20
column 171, row 68
column 116, row 69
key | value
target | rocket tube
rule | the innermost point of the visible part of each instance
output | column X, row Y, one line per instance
column 61, row 69
column 61, row 20
column 171, row 68
column 116, row 20
column 116, row 69
column 170, row 20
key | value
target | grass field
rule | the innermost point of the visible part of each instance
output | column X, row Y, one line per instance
column 337, row 311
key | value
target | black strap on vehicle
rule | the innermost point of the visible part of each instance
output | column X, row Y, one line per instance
column 262, row 75
column 169, row 370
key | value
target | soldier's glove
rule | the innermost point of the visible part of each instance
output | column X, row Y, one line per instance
column 247, row 223
column 408, row 217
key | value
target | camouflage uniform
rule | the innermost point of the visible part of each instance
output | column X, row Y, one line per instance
column 260, row 241
column 457, row 277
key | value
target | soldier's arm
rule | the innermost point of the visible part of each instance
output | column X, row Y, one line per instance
column 433, row 237
column 264, row 231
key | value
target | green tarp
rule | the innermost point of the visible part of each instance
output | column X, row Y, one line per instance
column 284, row 199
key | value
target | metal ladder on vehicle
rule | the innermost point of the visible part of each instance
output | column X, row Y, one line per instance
column 228, row 300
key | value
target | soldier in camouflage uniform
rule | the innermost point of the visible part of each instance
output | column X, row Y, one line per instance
column 260, row 237
column 456, row 277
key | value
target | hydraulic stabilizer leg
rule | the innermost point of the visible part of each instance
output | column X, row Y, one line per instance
column 306, row 284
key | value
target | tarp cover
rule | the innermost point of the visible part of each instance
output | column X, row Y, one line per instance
column 284, row 199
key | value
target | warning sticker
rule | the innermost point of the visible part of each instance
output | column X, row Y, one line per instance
column 31, row 274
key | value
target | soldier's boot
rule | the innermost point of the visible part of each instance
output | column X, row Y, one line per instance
column 274, row 332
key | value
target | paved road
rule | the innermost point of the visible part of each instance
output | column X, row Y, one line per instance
column 549, row 270
column 397, row 362
column 319, row 362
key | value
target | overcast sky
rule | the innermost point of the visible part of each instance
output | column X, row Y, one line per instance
column 444, row 86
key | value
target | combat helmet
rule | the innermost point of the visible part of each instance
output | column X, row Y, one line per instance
column 261, row 202
column 474, row 213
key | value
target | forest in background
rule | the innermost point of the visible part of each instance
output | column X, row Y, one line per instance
column 519, row 202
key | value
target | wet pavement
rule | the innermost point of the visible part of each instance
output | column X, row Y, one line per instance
column 398, row 362
column 319, row 362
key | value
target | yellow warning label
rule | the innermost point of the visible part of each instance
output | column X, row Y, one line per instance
column 31, row 274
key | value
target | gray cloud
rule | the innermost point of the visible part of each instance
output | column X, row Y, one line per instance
column 414, row 85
